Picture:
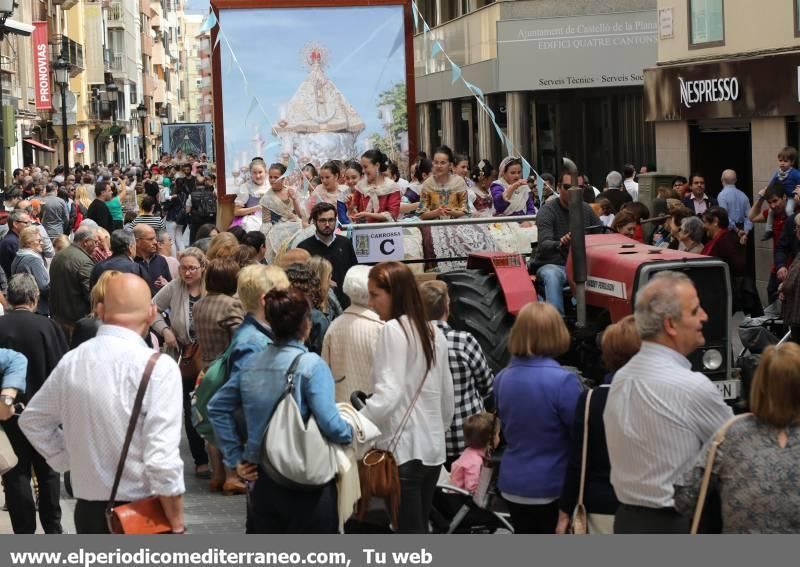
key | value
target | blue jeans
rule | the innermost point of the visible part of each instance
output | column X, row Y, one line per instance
column 554, row 278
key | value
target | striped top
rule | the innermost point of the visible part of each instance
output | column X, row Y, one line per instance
column 658, row 416
column 158, row 223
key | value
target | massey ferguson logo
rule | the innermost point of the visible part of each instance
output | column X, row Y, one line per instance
column 709, row 90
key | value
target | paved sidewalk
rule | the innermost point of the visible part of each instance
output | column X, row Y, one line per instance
column 206, row 513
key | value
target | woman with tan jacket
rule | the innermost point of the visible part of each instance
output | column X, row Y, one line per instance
column 178, row 298
column 349, row 345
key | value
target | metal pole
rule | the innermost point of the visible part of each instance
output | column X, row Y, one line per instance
column 578, row 243
column 440, row 222
column 144, row 157
column 64, row 128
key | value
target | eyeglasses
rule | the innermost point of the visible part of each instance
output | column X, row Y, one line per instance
column 326, row 221
column 566, row 185
column 188, row 269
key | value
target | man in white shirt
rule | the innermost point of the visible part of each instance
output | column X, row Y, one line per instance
column 629, row 172
column 79, row 418
column 659, row 413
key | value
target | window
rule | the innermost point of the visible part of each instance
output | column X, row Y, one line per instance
column 797, row 18
column 706, row 23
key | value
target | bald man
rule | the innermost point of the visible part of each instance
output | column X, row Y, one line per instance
column 147, row 256
column 78, row 420
column 736, row 203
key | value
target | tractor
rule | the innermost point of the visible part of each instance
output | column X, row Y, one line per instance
column 605, row 272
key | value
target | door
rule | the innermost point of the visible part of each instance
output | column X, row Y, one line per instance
column 718, row 146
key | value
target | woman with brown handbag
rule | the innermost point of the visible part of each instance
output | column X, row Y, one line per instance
column 413, row 399
column 178, row 297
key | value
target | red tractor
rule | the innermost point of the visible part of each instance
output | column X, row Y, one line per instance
column 487, row 295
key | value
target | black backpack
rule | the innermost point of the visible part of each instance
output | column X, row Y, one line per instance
column 204, row 206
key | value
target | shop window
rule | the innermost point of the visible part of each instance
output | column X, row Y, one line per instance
column 706, row 23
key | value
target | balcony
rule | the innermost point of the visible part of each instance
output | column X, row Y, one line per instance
column 65, row 4
column 148, row 85
column 147, row 43
column 158, row 53
column 160, row 92
column 71, row 51
column 116, row 15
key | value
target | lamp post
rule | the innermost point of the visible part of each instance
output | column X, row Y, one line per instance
column 61, row 72
column 112, row 89
column 141, row 112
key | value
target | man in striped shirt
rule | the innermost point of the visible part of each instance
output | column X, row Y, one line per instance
column 660, row 413
column 148, row 217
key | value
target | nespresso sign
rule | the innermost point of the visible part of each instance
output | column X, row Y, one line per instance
column 708, row 90
column 743, row 88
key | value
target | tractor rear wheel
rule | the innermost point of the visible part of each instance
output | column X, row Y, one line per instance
column 477, row 305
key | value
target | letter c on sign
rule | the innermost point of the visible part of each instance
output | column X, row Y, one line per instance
column 384, row 247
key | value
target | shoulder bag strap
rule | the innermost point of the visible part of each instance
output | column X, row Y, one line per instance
column 719, row 437
column 584, row 450
column 137, row 409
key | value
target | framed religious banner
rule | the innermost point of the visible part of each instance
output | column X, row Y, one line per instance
column 188, row 138
column 301, row 82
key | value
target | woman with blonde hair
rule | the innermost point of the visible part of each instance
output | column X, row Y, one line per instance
column 756, row 465
column 536, row 401
column 29, row 261
column 329, row 305
column 179, row 298
column 223, row 245
column 619, row 343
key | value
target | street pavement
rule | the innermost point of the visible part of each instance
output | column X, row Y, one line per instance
column 206, row 512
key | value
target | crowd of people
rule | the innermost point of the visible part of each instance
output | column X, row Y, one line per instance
column 102, row 267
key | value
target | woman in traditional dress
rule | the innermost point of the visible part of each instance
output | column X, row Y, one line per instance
column 247, row 207
column 376, row 199
column 510, row 192
column 284, row 214
column 329, row 190
column 409, row 207
column 444, row 194
column 281, row 203
column 480, row 195
column 461, row 168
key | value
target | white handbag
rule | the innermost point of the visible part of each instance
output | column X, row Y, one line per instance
column 294, row 453
column 8, row 458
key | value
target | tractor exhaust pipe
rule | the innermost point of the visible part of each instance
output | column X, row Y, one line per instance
column 578, row 244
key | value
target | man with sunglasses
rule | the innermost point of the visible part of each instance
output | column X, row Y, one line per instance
column 338, row 250
column 549, row 264
column 18, row 220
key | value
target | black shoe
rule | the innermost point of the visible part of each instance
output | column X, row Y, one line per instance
column 767, row 236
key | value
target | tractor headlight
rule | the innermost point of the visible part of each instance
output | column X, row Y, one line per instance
column 712, row 359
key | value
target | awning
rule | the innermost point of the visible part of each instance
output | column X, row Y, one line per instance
column 39, row 145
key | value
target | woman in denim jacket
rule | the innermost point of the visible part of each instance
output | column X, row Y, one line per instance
column 256, row 388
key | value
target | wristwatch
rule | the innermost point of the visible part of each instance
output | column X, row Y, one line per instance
column 7, row 400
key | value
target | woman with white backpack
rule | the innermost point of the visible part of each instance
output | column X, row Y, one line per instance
column 280, row 505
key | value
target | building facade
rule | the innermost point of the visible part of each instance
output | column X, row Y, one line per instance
column 122, row 54
column 563, row 79
column 724, row 94
column 190, row 51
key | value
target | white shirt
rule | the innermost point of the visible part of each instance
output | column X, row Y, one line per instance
column 91, row 393
column 632, row 188
column 658, row 416
column 398, row 368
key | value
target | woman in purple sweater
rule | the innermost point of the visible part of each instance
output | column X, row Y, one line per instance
column 510, row 192
column 536, row 401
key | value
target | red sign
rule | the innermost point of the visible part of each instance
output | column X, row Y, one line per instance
column 41, row 67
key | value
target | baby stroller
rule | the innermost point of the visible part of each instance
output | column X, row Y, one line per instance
column 756, row 334
column 455, row 510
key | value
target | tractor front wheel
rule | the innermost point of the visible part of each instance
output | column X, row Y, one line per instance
column 477, row 305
